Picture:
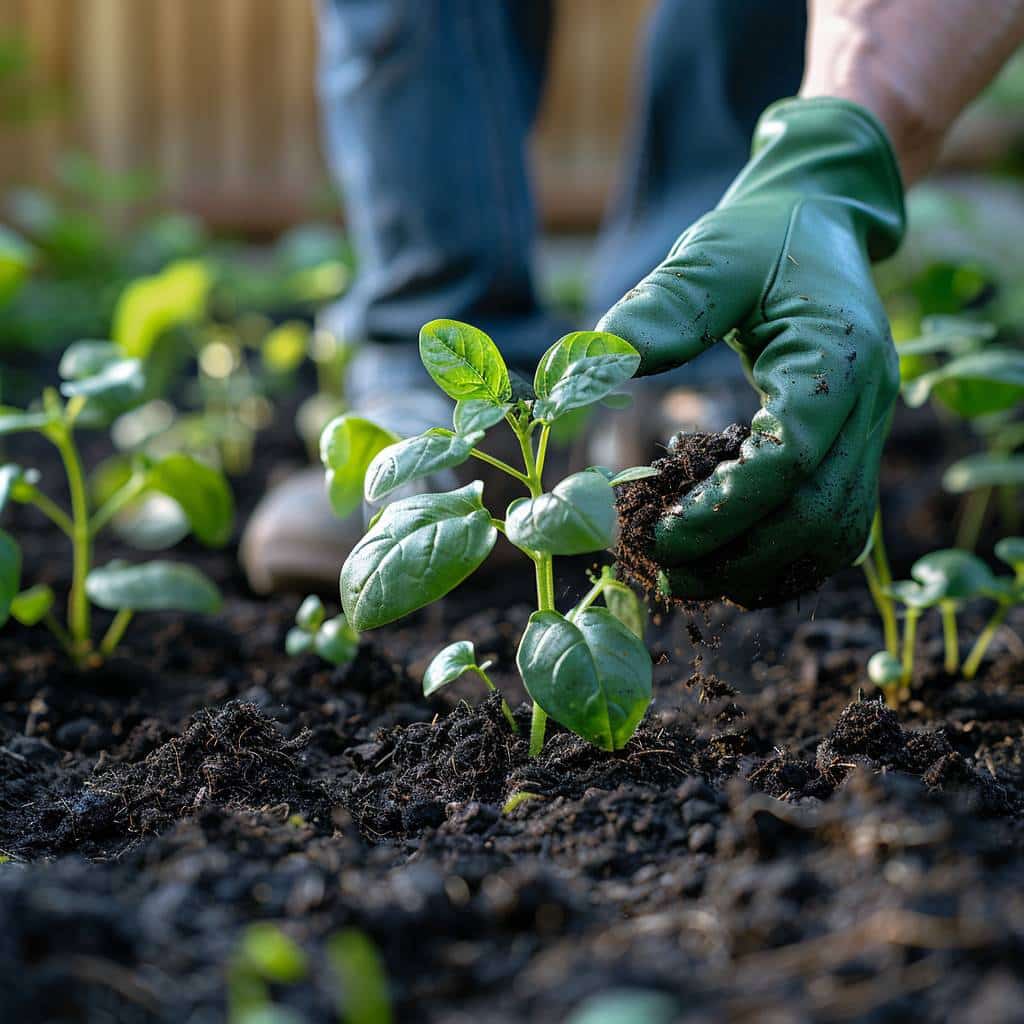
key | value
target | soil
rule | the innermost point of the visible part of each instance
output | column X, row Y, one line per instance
column 772, row 845
column 691, row 458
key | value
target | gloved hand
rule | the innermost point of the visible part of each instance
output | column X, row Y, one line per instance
column 781, row 271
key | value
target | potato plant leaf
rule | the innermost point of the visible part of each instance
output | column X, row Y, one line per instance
column 10, row 573
column 347, row 447
column 464, row 362
column 413, row 458
column 580, row 369
column 593, row 675
column 151, row 586
column 576, row 517
column 416, row 552
column 202, row 492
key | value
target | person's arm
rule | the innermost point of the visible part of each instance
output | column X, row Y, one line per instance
column 915, row 64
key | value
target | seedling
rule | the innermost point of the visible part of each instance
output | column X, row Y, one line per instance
column 1007, row 593
column 333, row 639
column 98, row 382
column 587, row 668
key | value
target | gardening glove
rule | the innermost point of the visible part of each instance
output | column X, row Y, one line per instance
column 780, row 270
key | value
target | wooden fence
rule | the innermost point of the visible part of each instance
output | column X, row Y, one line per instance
column 216, row 97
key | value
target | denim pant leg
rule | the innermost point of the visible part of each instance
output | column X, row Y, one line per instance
column 427, row 105
column 709, row 68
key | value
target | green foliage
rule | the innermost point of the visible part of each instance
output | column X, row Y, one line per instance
column 16, row 258
column 575, row 518
column 347, row 447
column 464, row 363
column 421, row 548
column 94, row 382
column 589, row 672
column 588, row 669
column 332, row 639
column 364, row 998
column 971, row 385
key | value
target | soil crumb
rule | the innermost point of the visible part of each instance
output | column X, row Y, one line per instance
column 641, row 503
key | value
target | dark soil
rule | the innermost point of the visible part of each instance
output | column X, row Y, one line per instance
column 771, row 845
column 691, row 459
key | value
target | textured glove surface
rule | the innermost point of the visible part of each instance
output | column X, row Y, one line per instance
column 781, row 271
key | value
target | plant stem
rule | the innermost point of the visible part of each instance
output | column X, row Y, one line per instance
column 62, row 635
column 81, row 542
column 972, row 518
column 52, row 511
column 879, row 576
column 113, row 635
column 538, row 725
column 117, row 501
column 949, row 636
column 499, row 464
column 542, row 449
column 973, row 661
column 588, row 598
column 909, row 638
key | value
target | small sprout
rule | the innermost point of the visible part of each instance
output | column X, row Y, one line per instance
column 1011, row 551
column 333, row 640
column 916, row 599
column 952, row 577
column 517, row 799
column 589, row 669
column 453, row 662
column 1007, row 593
column 364, row 997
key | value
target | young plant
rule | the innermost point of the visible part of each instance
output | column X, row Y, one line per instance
column 333, row 639
column 1007, row 593
column 586, row 668
column 98, row 382
column 944, row 580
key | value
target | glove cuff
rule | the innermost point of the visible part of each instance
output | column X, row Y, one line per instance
column 832, row 147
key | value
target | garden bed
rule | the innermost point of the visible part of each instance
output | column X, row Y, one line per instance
column 767, row 843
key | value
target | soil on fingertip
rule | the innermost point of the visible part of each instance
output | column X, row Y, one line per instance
column 691, row 459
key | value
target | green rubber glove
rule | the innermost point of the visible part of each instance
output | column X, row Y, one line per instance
column 781, row 271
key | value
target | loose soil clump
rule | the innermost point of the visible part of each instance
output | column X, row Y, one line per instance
column 691, row 459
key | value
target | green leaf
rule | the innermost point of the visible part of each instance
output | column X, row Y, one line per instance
column 116, row 387
column 593, row 675
column 1011, row 551
column 87, row 358
column 30, row 606
column 633, row 473
column 347, row 447
column 580, row 369
column 151, row 306
column 298, row 641
column 617, row 401
column 336, row 641
column 202, row 492
column 270, row 954
column 311, row 614
column 974, row 384
column 10, row 474
column 913, row 594
column 984, row 470
column 413, row 458
column 364, row 984
column 941, row 334
column 884, row 669
column 473, row 414
column 576, row 517
column 13, row 421
column 152, row 586
column 464, row 363
column 418, row 550
column 449, row 664
column 10, row 573
column 627, row 607
column 952, row 574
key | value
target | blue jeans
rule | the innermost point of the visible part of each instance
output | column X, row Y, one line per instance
column 427, row 106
